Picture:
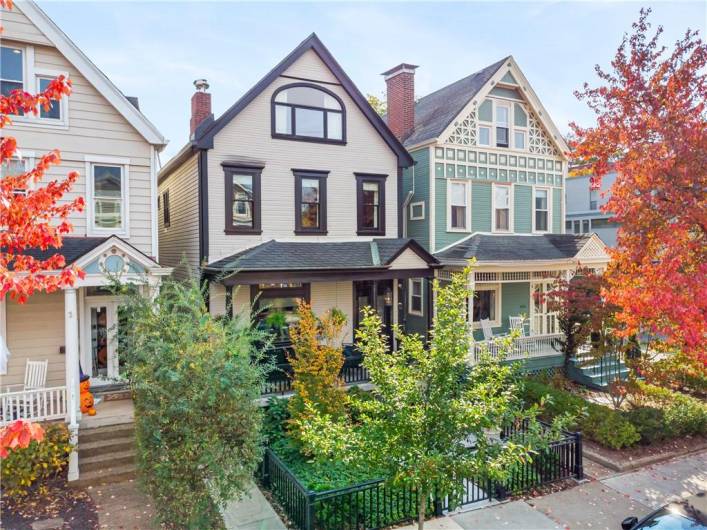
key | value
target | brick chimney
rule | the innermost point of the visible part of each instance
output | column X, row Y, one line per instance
column 400, row 82
column 200, row 105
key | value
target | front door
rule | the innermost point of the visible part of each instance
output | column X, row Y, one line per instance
column 543, row 321
column 379, row 296
column 101, row 359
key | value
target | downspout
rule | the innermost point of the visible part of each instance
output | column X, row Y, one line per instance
column 406, row 202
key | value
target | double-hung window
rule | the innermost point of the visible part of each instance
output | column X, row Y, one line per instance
column 542, row 210
column 242, row 188
column 108, row 202
column 593, row 199
column 503, row 112
column 310, row 202
column 304, row 111
column 54, row 110
column 458, row 205
column 485, row 304
column 370, row 198
column 17, row 166
column 11, row 69
column 501, row 208
column 416, row 296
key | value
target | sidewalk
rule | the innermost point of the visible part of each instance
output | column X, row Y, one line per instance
column 252, row 512
column 598, row 505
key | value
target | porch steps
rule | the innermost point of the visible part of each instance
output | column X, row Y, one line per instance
column 106, row 455
column 597, row 375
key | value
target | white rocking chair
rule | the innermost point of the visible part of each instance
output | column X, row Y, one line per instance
column 36, row 374
column 486, row 329
column 35, row 379
column 517, row 323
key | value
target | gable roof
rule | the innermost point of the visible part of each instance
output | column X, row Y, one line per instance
column 435, row 111
column 204, row 134
column 91, row 72
column 507, row 248
column 319, row 256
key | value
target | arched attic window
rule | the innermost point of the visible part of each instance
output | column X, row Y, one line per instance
column 307, row 112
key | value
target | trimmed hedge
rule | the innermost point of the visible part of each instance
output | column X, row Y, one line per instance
column 683, row 415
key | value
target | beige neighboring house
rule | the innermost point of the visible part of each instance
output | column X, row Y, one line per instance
column 102, row 134
column 292, row 194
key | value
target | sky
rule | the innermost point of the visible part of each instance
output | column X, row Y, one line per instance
column 155, row 50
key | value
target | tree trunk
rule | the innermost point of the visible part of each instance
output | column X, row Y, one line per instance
column 421, row 508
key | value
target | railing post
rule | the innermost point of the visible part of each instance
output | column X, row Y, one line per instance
column 578, row 466
column 310, row 513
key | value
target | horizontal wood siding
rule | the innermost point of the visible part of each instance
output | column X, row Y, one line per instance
column 444, row 238
column 35, row 331
column 179, row 243
column 419, row 230
column 523, row 209
column 94, row 128
column 515, row 301
column 17, row 26
column 480, row 207
column 249, row 135
column 329, row 295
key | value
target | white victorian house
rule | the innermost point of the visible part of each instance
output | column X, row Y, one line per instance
column 101, row 133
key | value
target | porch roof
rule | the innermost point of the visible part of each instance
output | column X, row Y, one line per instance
column 323, row 260
column 509, row 248
column 72, row 248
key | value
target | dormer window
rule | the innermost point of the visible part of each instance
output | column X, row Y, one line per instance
column 308, row 112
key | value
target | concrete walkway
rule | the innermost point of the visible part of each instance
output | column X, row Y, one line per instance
column 596, row 505
column 252, row 512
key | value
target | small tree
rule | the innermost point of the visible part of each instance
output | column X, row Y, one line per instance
column 378, row 104
column 316, row 365
column 428, row 405
column 195, row 380
column 580, row 310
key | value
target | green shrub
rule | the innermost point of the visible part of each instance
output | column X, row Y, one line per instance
column 29, row 468
column 195, row 380
column 274, row 420
column 597, row 422
column 650, row 424
column 684, row 415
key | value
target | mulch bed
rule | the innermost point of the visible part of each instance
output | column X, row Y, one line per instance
column 668, row 448
column 74, row 506
column 546, row 489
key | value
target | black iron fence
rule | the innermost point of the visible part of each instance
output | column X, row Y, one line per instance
column 279, row 380
column 377, row 504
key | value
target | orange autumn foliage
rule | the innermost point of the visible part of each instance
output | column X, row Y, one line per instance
column 35, row 218
column 316, row 363
column 18, row 435
column 652, row 130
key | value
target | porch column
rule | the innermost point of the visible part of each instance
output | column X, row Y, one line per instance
column 71, row 339
column 396, row 311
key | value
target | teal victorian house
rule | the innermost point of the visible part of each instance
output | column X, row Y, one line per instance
column 489, row 183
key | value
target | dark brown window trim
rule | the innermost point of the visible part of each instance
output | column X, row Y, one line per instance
column 256, row 173
column 165, row 209
column 380, row 179
column 314, row 139
column 321, row 176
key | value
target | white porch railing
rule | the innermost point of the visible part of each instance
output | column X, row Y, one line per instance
column 523, row 347
column 36, row 405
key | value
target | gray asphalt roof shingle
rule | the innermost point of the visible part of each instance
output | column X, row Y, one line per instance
column 72, row 248
column 435, row 111
column 488, row 247
column 287, row 255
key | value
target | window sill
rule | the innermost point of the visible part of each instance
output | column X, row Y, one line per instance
column 312, row 139
column 23, row 121
column 370, row 232
column 416, row 314
column 311, row 232
column 458, row 230
column 242, row 231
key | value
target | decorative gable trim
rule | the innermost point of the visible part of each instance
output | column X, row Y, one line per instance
column 465, row 119
column 116, row 245
column 593, row 251
column 91, row 72
column 204, row 134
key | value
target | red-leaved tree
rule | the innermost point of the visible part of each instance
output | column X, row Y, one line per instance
column 35, row 218
column 652, row 126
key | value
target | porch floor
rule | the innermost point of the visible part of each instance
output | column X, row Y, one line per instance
column 113, row 412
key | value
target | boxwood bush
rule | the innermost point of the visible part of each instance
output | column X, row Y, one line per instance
column 683, row 414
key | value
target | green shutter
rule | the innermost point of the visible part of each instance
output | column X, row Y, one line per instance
column 523, row 209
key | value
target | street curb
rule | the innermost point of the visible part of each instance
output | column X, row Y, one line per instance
column 639, row 462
